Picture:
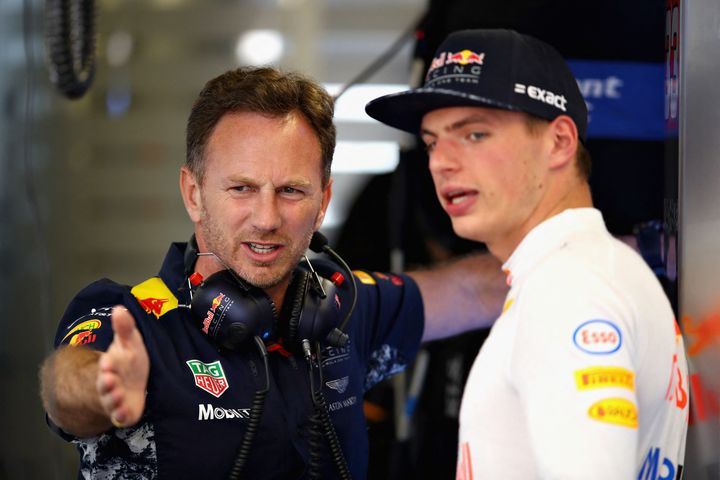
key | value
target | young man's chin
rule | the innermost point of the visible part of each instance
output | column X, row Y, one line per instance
column 465, row 228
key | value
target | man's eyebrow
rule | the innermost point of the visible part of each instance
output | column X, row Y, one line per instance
column 297, row 182
column 469, row 120
column 290, row 182
column 241, row 179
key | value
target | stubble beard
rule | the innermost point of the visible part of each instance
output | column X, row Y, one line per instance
column 230, row 253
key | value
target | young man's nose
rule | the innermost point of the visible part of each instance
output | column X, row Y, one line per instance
column 443, row 156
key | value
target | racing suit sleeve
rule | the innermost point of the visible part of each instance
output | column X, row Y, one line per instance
column 573, row 365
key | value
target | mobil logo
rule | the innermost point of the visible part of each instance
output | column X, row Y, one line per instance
column 657, row 467
column 598, row 336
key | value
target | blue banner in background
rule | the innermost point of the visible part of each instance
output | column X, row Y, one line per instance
column 624, row 99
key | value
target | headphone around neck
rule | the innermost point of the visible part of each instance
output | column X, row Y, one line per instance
column 231, row 312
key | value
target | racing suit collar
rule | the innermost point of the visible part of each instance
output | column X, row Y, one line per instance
column 551, row 234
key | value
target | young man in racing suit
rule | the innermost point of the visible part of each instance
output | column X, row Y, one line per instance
column 584, row 375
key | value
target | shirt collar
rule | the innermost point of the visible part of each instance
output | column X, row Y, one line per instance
column 172, row 271
column 548, row 236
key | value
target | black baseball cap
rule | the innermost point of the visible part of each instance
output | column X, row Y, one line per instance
column 489, row 68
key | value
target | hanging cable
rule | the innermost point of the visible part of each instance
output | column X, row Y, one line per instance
column 381, row 60
column 70, row 43
column 321, row 424
column 258, row 404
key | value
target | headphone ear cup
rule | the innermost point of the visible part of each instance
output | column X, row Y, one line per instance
column 307, row 314
column 230, row 311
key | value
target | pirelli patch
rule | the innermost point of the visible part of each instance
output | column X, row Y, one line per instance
column 155, row 297
column 604, row 377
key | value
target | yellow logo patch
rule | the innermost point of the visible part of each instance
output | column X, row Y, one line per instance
column 507, row 305
column 155, row 297
column 364, row 277
column 618, row 411
column 86, row 326
column 604, row 377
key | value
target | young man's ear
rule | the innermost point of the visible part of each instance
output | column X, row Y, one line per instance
column 190, row 191
column 564, row 141
column 327, row 195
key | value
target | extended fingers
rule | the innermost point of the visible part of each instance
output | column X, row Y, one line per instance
column 123, row 324
column 112, row 397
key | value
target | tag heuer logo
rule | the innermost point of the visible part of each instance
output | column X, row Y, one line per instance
column 209, row 376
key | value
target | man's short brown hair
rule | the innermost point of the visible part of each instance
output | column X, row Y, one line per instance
column 262, row 90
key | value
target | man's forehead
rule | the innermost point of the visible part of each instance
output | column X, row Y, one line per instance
column 451, row 118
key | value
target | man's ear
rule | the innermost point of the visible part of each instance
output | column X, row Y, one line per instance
column 327, row 195
column 564, row 138
column 190, row 191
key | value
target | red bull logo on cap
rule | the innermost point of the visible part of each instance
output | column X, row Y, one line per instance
column 463, row 57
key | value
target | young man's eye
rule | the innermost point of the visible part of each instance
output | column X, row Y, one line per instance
column 430, row 146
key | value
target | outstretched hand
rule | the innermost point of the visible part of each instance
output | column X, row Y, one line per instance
column 123, row 372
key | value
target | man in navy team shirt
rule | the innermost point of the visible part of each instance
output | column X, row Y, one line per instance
column 148, row 388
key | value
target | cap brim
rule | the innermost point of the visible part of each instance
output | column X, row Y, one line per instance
column 405, row 110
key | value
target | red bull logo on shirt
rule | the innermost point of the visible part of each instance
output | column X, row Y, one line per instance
column 153, row 305
column 678, row 386
column 155, row 297
column 209, row 376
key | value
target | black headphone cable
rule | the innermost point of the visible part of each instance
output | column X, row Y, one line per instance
column 321, row 424
column 258, row 405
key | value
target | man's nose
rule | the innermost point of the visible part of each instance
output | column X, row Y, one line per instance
column 266, row 212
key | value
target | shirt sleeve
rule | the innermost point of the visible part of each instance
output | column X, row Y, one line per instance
column 573, row 367
column 87, row 322
column 387, row 323
column 87, row 319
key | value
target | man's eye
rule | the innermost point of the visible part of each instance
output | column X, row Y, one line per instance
column 289, row 190
column 240, row 188
column 476, row 136
column 429, row 147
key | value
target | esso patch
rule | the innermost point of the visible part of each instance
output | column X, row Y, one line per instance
column 599, row 337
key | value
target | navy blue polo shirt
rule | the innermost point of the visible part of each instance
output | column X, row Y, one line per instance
column 199, row 396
